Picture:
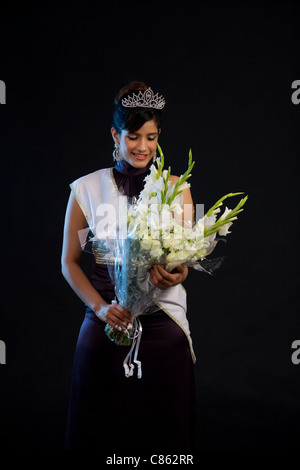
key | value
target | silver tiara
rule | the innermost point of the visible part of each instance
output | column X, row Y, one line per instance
column 144, row 99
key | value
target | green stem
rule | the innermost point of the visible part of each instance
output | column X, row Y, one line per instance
column 175, row 190
column 230, row 216
column 219, row 202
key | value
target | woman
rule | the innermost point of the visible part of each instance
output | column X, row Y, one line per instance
column 107, row 410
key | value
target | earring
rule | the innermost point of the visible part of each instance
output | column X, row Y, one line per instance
column 117, row 156
column 154, row 156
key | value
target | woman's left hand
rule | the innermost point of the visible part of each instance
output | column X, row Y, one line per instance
column 163, row 280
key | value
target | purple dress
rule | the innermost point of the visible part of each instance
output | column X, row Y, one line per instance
column 111, row 413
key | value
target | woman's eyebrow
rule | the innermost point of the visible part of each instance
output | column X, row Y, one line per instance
column 153, row 133
column 150, row 133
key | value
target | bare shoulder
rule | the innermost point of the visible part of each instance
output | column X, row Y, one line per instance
column 187, row 202
column 186, row 193
column 173, row 179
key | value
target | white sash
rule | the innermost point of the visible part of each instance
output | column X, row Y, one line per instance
column 95, row 190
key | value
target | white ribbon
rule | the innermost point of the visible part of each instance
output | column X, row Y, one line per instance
column 128, row 363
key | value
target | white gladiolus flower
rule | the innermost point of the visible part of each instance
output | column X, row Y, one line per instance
column 209, row 221
column 166, row 218
column 160, row 217
column 158, row 185
column 205, row 223
column 177, row 208
column 149, row 179
column 146, row 243
column 224, row 229
column 217, row 210
column 176, row 205
column 142, row 210
column 225, row 213
column 153, row 218
column 156, row 249
column 175, row 258
column 184, row 186
column 155, row 198
column 172, row 242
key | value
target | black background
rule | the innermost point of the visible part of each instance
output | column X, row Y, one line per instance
column 226, row 71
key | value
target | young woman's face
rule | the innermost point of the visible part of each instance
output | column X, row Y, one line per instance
column 137, row 148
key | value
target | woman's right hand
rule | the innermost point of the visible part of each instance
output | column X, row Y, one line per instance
column 115, row 315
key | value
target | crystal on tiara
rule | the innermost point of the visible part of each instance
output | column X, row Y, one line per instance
column 144, row 99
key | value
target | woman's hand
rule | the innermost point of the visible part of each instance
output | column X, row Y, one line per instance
column 115, row 315
column 163, row 280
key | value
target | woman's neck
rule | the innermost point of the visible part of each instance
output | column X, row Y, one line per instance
column 122, row 166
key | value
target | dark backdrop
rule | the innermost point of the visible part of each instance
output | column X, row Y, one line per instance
column 226, row 72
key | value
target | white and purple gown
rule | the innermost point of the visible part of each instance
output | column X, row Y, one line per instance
column 110, row 412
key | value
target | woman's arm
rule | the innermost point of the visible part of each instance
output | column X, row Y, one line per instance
column 158, row 275
column 70, row 260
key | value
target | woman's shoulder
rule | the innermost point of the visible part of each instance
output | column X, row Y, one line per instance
column 173, row 179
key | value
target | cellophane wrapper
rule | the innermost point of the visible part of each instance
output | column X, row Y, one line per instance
column 128, row 266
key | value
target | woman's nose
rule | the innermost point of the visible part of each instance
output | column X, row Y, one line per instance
column 141, row 144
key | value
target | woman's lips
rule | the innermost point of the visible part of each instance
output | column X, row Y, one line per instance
column 140, row 156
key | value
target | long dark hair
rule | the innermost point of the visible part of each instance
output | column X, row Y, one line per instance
column 133, row 119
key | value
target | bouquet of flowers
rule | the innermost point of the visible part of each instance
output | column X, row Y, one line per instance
column 153, row 231
column 168, row 241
